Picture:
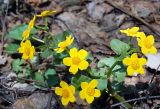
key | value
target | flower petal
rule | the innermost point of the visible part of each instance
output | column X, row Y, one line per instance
column 63, row 84
column 134, row 55
column 58, row 91
column 142, row 61
column 84, row 85
column 82, row 54
column 150, row 38
column 82, row 94
column 89, row 99
column 73, row 52
column 127, row 61
column 28, row 43
column 93, row 83
column 73, row 69
column 67, row 61
column 140, row 70
column 72, row 88
column 97, row 93
column 65, row 101
column 72, row 99
column 144, row 50
column 130, row 71
column 83, row 65
column 153, row 50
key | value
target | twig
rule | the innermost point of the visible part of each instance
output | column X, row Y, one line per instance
column 135, row 99
column 154, row 74
column 154, row 30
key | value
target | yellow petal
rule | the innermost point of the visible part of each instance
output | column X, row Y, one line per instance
column 140, row 42
column 28, row 43
column 97, row 93
column 72, row 99
column 72, row 88
column 31, row 23
column 135, row 29
column 141, row 70
column 69, row 40
column 130, row 71
column 84, row 85
column 140, row 34
column 58, row 91
column 63, row 84
column 59, row 50
column 82, row 54
column 93, row 83
column 46, row 13
column 73, row 52
column 73, row 69
column 134, row 55
column 150, row 38
column 89, row 99
column 67, row 61
column 83, row 65
column 127, row 61
column 153, row 50
column 144, row 50
column 65, row 101
column 25, row 34
column 82, row 94
column 24, row 56
column 142, row 61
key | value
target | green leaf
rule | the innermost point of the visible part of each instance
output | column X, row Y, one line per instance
column 102, row 84
column 118, row 46
column 49, row 72
column 53, row 80
column 12, row 48
column 17, row 31
column 16, row 65
column 76, row 81
column 40, row 79
column 46, row 53
column 106, row 62
column 120, row 76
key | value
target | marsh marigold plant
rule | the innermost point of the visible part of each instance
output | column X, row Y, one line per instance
column 135, row 64
column 88, row 91
column 66, row 92
column 147, row 44
column 64, row 44
column 27, row 50
column 76, row 60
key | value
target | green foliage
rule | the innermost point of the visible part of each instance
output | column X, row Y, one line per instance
column 118, row 46
column 16, row 65
column 102, row 84
column 17, row 31
column 12, row 48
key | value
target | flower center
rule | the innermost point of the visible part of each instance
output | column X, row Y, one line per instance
column 27, row 51
column 65, row 93
column 135, row 64
column 147, row 44
column 76, row 60
column 90, row 91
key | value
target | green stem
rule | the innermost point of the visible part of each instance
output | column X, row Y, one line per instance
column 39, row 40
column 110, row 70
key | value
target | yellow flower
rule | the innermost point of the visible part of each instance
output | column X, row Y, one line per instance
column 76, row 60
column 63, row 45
column 31, row 23
column 67, row 92
column 135, row 64
column 25, row 34
column 130, row 31
column 46, row 13
column 88, row 91
column 147, row 44
column 27, row 50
